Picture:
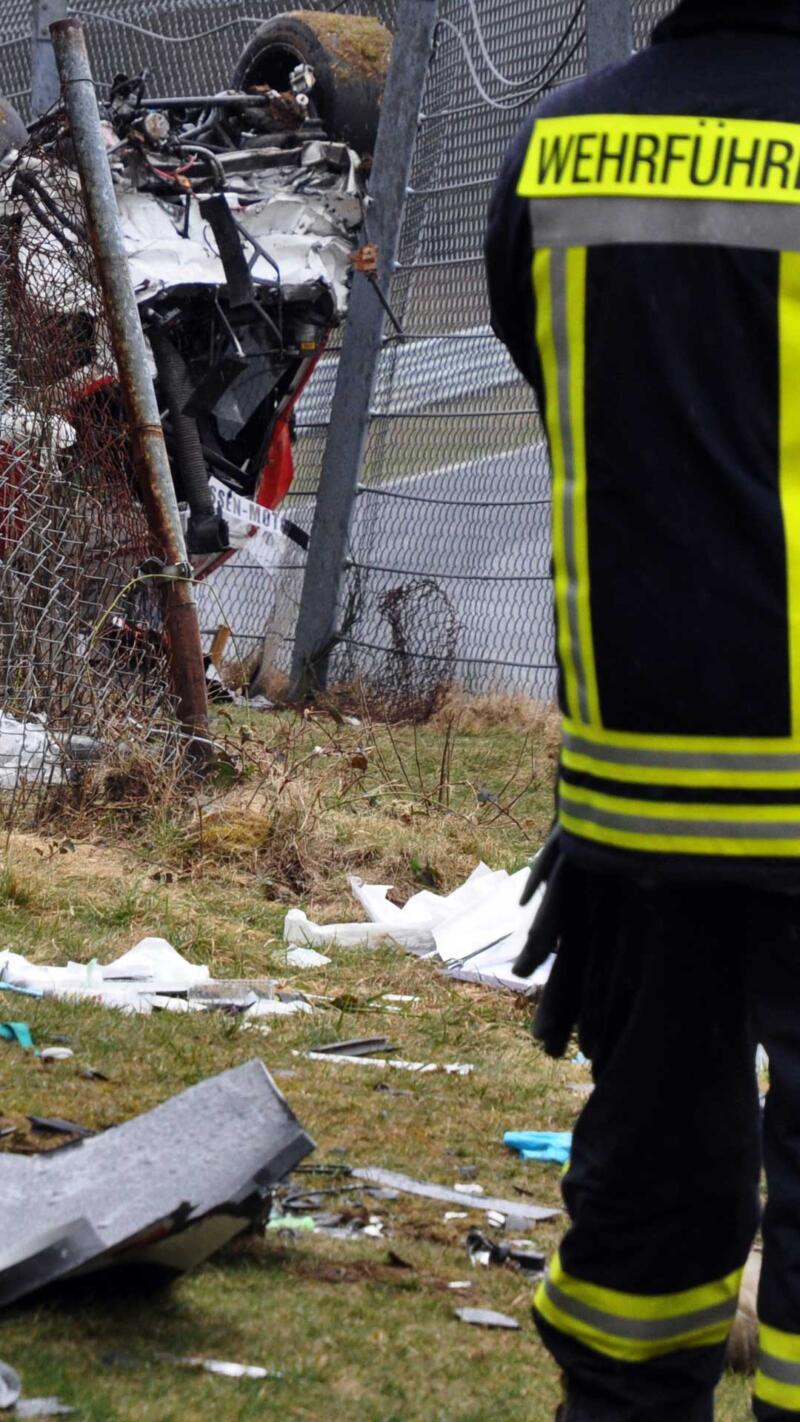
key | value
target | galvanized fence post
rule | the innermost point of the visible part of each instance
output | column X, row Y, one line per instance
column 315, row 635
column 45, row 86
column 147, row 436
column 609, row 32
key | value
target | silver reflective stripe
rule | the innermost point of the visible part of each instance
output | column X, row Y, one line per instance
column 679, row 760
column 778, row 1370
column 698, row 829
column 558, row 278
column 609, row 221
column 655, row 1330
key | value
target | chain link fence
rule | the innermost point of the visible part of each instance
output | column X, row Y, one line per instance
column 449, row 570
column 84, row 682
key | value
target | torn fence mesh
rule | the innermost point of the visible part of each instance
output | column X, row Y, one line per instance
column 82, row 664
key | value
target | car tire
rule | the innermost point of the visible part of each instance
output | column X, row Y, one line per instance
column 350, row 58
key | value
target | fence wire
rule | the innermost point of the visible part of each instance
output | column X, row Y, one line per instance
column 455, row 488
column 83, row 674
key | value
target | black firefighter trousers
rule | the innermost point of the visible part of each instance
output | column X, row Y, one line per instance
column 680, row 984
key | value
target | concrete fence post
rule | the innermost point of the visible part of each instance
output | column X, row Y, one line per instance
column 315, row 636
column 609, row 32
column 45, row 84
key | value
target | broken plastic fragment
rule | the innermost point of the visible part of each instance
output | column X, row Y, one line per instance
column 10, row 1385
column 394, row 1180
column 552, row 1146
column 42, row 1407
column 227, row 1370
column 56, row 1054
column 486, row 1318
column 18, row 1032
column 424, row 1068
column 306, row 958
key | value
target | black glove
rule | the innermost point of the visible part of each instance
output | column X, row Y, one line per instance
column 543, row 937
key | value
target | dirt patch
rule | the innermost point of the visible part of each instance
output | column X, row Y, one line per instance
column 360, row 42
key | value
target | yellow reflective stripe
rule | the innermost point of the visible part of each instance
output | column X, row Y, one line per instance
column 681, row 775
column 778, row 1394
column 645, row 1306
column 681, row 844
column 778, row 1376
column 663, row 156
column 789, row 327
column 778, row 1344
column 545, row 340
column 715, row 745
column 576, row 335
column 658, row 809
column 637, row 1328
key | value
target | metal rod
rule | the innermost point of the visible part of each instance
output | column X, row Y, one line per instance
column 147, row 436
column 315, row 636
column 45, row 88
column 609, row 33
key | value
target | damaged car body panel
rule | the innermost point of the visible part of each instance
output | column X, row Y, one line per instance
column 165, row 1190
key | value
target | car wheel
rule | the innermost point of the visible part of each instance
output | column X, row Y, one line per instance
column 349, row 55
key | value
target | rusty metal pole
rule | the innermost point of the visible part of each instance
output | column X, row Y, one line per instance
column 181, row 624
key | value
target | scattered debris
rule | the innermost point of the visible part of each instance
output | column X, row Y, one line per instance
column 11, row 1398
column 225, row 1370
column 393, row 1180
column 10, row 1385
column 460, row 1285
column 450, row 1215
column 540, row 1145
column 469, row 1188
column 42, row 1407
column 18, row 1032
column 486, row 1318
column 151, row 976
column 306, row 958
column 483, row 1251
column 424, row 1068
column 164, row 1190
column 27, row 752
column 56, row 1126
column 298, row 929
column 478, row 931
column 56, row 1054
column 355, row 1047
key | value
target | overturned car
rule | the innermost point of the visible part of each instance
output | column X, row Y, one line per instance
column 241, row 210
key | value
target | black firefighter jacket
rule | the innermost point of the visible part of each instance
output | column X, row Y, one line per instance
column 644, row 269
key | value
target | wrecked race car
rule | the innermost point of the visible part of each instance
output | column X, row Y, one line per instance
column 241, row 212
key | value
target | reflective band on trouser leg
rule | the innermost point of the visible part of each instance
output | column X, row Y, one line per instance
column 637, row 1328
column 560, row 287
column 789, row 325
column 778, row 1376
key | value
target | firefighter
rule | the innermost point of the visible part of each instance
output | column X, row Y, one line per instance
column 644, row 269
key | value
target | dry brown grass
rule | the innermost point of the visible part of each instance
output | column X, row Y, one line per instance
column 509, row 710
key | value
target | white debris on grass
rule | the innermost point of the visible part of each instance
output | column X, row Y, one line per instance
column 27, row 752
column 477, row 932
column 151, row 976
column 423, row 1068
column 306, row 958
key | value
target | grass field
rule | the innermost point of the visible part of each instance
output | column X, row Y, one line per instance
column 353, row 1334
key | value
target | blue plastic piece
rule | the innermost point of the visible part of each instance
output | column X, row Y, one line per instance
column 26, row 992
column 18, row 1032
column 554, row 1146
